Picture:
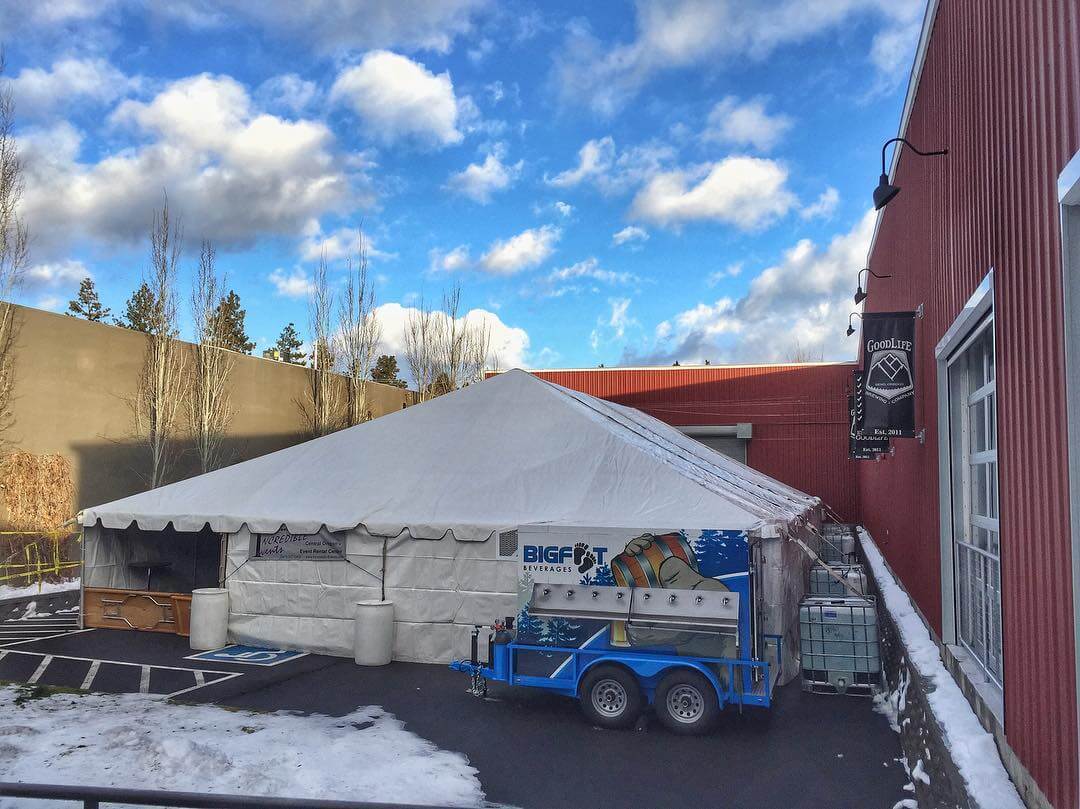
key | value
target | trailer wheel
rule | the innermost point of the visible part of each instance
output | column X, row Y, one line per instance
column 686, row 702
column 610, row 697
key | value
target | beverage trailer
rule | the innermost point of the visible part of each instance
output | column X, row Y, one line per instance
column 614, row 679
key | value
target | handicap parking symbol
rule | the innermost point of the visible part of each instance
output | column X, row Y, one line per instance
column 248, row 655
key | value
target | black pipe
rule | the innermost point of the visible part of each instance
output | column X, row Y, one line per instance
column 91, row 797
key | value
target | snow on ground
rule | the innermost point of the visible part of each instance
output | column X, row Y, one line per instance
column 972, row 748
column 47, row 587
column 129, row 740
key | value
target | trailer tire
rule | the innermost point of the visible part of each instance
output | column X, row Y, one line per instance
column 610, row 697
column 686, row 703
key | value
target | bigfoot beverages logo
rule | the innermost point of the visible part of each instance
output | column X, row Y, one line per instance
column 578, row 558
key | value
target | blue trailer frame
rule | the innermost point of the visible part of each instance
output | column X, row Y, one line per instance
column 647, row 666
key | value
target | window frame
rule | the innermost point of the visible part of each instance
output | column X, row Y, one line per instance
column 962, row 540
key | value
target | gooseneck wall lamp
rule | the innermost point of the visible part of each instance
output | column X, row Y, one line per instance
column 850, row 328
column 885, row 190
column 860, row 296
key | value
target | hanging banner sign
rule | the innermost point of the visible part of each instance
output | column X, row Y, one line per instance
column 888, row 389
column 861, row 447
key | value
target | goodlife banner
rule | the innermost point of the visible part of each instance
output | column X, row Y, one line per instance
column 888, row 391
column 862, row 447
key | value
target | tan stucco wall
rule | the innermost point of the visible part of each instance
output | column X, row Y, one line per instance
column 73, row 383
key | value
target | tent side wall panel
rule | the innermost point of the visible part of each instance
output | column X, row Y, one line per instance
column 1000, row 87
column 798, row 412
column 440, row 588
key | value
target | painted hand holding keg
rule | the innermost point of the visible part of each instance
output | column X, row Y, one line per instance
column 665, row 561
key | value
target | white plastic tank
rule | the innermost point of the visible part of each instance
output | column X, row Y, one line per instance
column 209, row 618
column 373, row 639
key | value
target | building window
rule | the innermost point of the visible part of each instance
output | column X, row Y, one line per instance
column 974, row 470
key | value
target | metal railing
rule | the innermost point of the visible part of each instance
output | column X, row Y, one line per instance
column 94, row 797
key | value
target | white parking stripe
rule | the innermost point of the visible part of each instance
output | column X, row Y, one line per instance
column 90, row 675
column 44, row 664
column 200, row 678
column 144, row 681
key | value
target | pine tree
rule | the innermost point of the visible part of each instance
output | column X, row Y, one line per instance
column 386, row 371
column 289, row 344
column 87, row 304
column 140, row 310
column 229, row 325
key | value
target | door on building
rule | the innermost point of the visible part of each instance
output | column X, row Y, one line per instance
column 728, row 440
column 974, row 469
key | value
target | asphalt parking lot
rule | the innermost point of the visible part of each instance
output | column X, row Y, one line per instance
column 532, row 749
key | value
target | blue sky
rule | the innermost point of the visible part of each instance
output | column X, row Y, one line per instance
column 617, row 183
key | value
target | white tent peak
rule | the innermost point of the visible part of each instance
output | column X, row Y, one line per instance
column 509, row 451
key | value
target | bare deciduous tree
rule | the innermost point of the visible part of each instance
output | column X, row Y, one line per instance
column 161, row 386
column 444, row 348
column 359, row 332
column 321, row 409
column 209, row 410
column 801, row 353
column 14, row 246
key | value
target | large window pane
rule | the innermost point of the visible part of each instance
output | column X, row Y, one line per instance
column 973, row 451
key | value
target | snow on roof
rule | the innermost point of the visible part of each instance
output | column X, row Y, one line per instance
column 511, row 450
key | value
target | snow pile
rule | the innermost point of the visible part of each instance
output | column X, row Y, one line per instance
column 141, row 741
column 972, row 748
column 46, row 588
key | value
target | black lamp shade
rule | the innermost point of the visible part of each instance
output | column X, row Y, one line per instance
column 884, row 192
column 860, row 296
column 850, row 331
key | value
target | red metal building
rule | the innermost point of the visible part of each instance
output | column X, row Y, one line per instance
column 976, row 520
column 981, row 520
column 797, row 415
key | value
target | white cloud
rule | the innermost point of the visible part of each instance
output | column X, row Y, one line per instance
column 745, row 123
column 333, row 26
column 527, row 249
column 296, row 284
column 612, row 326
column 680, row 34
column 232, row 173
column 612, row 171
column 595, row 159
column 629, row 235
column 803, row 300
column 337, row 244
column 454, row 260
column 730, row 271
column 478, row 181
column 39, row 92
column 590, row 269
column 747, row 192
column 398, row 98
column 564, row 209
column 55, row 274
column 288, row 93
column 824, row 206
column 509, row 344
column 52, row 303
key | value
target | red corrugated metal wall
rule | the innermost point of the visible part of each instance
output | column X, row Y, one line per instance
column 799, row 413
column 1000, row 88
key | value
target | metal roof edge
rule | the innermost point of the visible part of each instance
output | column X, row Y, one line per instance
column 909, row 103
column 690, row 367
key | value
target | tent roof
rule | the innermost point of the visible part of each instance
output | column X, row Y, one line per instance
column 509, row 451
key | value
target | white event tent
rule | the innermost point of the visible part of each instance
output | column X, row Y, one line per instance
column 418, row 498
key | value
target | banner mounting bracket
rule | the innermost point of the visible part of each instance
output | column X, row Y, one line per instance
column 919, row 311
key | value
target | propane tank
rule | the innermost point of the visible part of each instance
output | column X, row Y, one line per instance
column 500, row 652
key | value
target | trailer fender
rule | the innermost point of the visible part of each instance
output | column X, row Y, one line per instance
column 649, row 672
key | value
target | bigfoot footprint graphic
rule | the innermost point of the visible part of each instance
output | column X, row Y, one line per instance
column 583, row 558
